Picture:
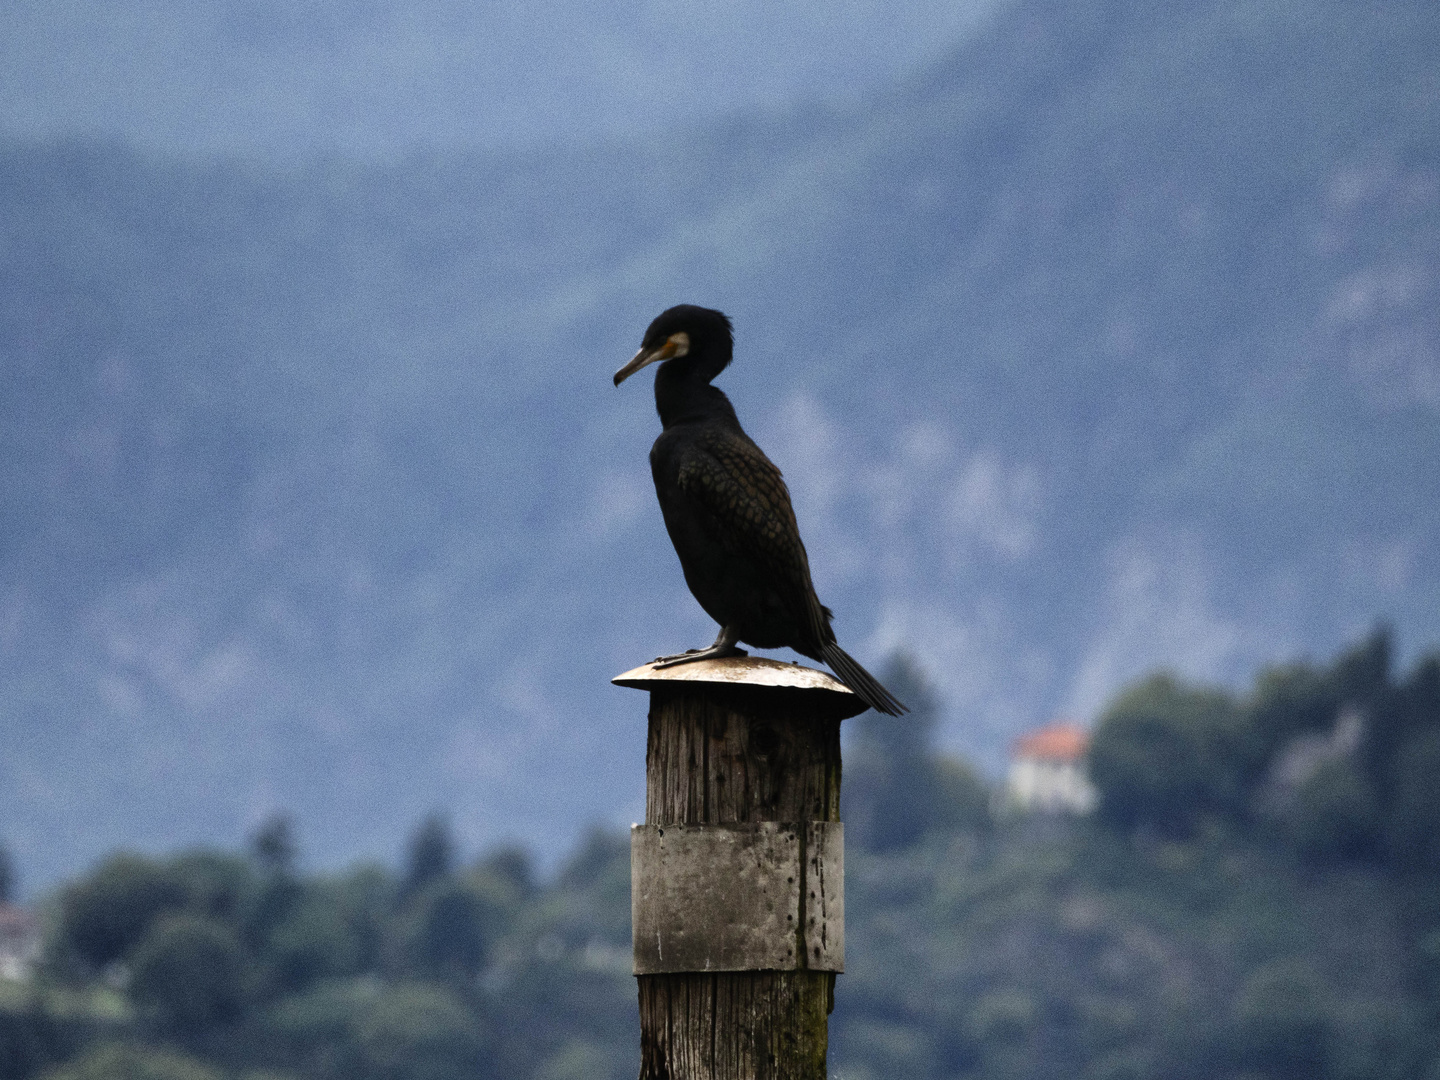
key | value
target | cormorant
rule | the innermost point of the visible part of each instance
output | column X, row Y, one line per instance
column 728, row 511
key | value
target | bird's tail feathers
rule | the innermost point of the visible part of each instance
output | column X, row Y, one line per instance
column 865, row 685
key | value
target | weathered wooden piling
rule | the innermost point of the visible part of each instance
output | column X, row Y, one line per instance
column 737, row 875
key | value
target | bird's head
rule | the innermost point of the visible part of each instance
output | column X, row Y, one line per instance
column 698, row 337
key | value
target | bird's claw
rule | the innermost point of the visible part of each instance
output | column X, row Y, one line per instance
column 689, row 656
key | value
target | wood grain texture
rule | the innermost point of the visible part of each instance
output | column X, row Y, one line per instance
column 723, row 755
column 756, row 1025
column 717, row 755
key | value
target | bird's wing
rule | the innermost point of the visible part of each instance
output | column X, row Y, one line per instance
column 731, row 479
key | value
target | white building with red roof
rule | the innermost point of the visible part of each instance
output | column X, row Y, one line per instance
column 1047, row 771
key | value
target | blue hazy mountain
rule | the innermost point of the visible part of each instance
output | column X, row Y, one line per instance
column 1107, row 341
column 376, row 78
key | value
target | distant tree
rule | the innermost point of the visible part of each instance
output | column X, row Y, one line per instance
column 31, row 1037
column 7, row 877
column 318, row 1024
column 1335, row 814
column 273, row 850
column 962, row 798
column 188, row 973
column 886, row 787
column 431, row 854
column 217, row 884
column 273, row 844
column 316, row 939
column 418, row 1032
column 1363, row 681
column 449, row 930
column 593, row 886
column 1399, row 730
column 365, row 898
column 104, row 915
column 895, row 787
column 595, row 857
column 1288, row 701
column 120, row 1061
column 1418, row 700
column 1413, row 813
column 584, row 1059
column 1361, row 674
column 1165, row 754
column 1378, row 795
column 1283, row 1025
column 509, row 868
column 322, row 928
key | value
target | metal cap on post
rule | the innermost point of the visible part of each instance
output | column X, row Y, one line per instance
column 737, row 890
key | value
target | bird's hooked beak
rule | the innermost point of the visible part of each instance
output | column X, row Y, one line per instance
column 675, row 345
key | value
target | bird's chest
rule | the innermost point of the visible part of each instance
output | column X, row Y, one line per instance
column 720, row 575
column 693, row 530
column 718, row 525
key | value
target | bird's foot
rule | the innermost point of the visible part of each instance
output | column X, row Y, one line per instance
column 724, row 646
column 689, row 656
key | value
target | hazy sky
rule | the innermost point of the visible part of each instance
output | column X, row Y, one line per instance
column 380, row 76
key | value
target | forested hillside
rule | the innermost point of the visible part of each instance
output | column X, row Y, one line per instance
column 1106, row 341
column 1256, row 897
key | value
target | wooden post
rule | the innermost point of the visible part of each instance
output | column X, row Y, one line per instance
column 735, row 744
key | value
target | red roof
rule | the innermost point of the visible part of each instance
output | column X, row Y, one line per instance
column 1059, row 742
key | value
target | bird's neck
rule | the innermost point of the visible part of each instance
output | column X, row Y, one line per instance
column 681, row 400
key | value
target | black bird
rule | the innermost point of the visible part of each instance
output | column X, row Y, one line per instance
column 728, row 511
